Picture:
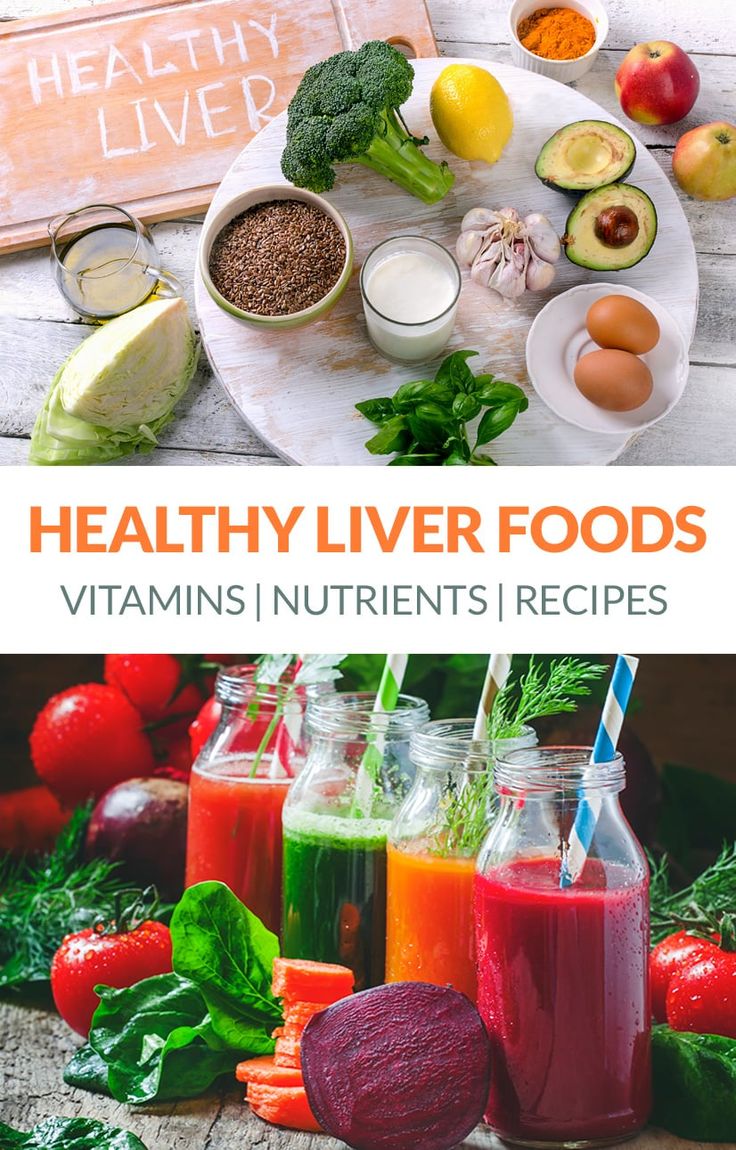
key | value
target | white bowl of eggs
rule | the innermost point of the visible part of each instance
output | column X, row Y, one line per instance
column 607, row 358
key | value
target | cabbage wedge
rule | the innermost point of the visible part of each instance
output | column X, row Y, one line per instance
column 118, row 389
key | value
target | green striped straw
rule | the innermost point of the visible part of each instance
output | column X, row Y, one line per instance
column 387, row 697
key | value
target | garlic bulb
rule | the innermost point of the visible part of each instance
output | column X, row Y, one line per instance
column 509, row 254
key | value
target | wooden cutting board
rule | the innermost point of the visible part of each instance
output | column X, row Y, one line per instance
column 146, row 103
column 298, row 390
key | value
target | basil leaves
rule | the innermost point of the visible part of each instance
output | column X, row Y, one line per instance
column 173, row 1035
column 425, row 423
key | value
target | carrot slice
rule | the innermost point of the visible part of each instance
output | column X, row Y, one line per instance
column 288, row 1052
column 278, row 1032
column 301, row 980
column 264, row 1071
column 298, row 1014
column 283, row 1106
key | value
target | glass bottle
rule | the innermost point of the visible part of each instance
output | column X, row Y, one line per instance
column 238, row 786
column 336, row 819
column 563, row 941
column 432, row 847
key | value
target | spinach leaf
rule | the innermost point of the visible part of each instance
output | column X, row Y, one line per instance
column 87, row 1071
column 69, row 1134
column 694, row 1079
column 157, row 1040
column 228, row 951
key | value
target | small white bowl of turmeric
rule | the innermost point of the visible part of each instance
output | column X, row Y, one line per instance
column 560, row 41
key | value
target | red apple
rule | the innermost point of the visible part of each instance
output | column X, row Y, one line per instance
column 704, row 162
column 657, row 83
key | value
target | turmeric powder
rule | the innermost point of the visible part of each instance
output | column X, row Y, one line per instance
column 557, row 33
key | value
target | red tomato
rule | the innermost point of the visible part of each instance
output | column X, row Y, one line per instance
column 149, row 681
column 702, row 997
column 86, row 740
column 670, row 956
column 86, row 959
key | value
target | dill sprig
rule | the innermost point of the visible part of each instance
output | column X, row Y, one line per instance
column 540, row 693
column 42, row 900
column 700, row 906
column 464, row 815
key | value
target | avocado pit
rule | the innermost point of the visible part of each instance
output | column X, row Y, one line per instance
column 617, row 226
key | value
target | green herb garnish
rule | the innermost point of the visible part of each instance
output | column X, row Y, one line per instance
column 43, row 900
column 699, row 907
column 464, row 816
column 541, row 692
column 425, row 424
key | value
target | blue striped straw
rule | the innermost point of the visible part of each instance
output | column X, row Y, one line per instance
column 604, row 750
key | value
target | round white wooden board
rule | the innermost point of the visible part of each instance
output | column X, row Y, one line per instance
column 297, row 389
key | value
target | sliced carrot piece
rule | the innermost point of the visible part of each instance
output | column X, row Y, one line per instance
column 288, row 1052
column 301, row 980
column 298, row 1014
column 264, row 1071
column 278, row 1032
column 283, row 1106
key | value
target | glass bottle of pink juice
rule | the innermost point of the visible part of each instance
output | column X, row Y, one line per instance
column 562, row 969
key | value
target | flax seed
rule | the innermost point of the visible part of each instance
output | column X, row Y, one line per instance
column 277, row 258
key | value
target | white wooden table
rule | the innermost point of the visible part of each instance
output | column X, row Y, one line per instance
column 37, row 330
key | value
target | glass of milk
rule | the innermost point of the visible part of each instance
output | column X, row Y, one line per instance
column 410, row 287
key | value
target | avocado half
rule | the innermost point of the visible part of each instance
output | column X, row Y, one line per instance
column 585, row 155
column 582, row 240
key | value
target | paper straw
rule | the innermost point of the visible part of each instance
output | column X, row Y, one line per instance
column 496, row 676
column 288, row 733
column 387, row 697
column 604, row 750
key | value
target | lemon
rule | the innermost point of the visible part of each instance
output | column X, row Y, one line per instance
column 471, row 112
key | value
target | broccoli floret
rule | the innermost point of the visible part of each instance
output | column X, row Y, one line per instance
column 346, row 110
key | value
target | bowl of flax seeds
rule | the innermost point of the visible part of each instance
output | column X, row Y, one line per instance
column 276, row 256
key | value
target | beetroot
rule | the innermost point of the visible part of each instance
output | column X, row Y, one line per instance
column 402, row 1065
column 142, row 824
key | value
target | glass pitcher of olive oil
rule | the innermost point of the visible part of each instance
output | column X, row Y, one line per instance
column 105, row 262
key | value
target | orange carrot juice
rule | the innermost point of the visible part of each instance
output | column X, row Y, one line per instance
column 430, row 920
column 234, row 833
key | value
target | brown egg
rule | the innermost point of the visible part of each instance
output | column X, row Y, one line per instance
column 613, row 380
column 621, row 322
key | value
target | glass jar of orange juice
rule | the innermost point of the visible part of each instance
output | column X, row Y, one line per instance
column 238, row 786
column 433, row 843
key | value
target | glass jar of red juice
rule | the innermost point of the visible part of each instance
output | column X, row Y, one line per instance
column 562, row 965
column 238, row 786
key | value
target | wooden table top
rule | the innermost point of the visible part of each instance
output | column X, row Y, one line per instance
column 37, row 331
column 35, row 1045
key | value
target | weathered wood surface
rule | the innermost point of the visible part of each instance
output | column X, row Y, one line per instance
column 701, row 428
column 35, row 1044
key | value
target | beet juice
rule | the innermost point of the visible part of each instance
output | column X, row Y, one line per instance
column 562, row 970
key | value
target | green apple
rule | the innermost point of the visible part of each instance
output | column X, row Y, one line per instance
column 704, row 162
